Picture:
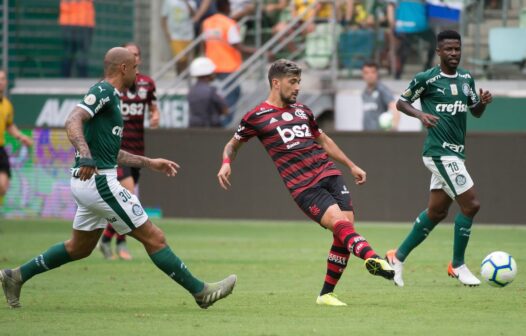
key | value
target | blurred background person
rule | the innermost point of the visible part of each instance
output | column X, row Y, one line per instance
column 177, row 24
column 376, row 99
column 7, row 124
column 77, row 20
column 206, row 106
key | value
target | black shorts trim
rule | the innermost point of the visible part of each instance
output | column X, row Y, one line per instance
column 125, row 172
column 330, row 190
column 4, row 162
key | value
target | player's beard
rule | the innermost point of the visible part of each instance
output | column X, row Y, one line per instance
column 287, row 100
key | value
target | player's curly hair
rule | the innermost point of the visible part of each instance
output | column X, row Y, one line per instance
column 282, row 68
column 448, row 35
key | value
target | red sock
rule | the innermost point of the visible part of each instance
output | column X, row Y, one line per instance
column 121, row 238
column 336, row 263
column 108, row 233
column 354, row 242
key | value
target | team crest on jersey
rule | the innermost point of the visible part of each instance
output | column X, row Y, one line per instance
column 137, row 210
column 301, row 114
column 90, row 99
column 142, row 93
column 130, row 94
column 460, row 180
column 466, row 89
column 287, row 116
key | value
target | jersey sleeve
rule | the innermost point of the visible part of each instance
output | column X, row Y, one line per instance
column 386, row 95
column 473, row 97
column 313, row 124
column 96, row 98
column 152, row 96
column 245, row 131
column 9, row 115
column 415, row 89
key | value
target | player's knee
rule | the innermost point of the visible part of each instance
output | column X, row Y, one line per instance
column 77, row 250
column 472, row 208
column 437, row 215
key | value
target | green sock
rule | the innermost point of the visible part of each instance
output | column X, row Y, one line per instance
column 462, row 233
column 170, row 264
column 418, row 234
column 54, row 257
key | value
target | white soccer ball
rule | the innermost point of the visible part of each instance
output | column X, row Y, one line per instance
column 498, row 269
column 385, row 120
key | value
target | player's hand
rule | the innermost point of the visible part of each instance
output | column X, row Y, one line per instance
column 26, row 141
column 164, row 166
column 359, row 175
column 86, row 172
column 224, row 175
column 154, row 120
column 428, row 120
column 485, row 97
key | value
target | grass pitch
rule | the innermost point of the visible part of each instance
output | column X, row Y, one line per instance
column 280, row 268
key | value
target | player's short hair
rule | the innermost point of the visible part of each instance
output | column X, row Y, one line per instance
column 282, row 68
column 127, row 44
column 370, row 64
column 448, row 35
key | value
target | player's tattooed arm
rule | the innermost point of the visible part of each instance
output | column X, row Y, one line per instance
column 231, row 149
column 160, row 165
column 229, row 153
column 131, row 160
column 428, row 120
column 75, row 130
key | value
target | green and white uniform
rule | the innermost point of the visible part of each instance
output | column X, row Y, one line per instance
column 448, row 97
column 102, row 198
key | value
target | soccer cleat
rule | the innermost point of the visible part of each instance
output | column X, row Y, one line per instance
column 330, row 299
column 11, row 280
column 463, row 274
column 105, row 248
column 215, row 291
column 380, row 267
column 397, row 266
column 123, row 252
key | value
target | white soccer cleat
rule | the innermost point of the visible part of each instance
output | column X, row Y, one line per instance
column 463, row 274
column 397, row 266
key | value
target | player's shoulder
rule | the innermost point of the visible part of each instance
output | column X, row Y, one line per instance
column 429, row 74
column 143, row 79
column 464, row 73
column 102, row 89
column 258, row 111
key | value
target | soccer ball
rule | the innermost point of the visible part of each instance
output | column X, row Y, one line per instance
column 498, row 269
column 385, row 120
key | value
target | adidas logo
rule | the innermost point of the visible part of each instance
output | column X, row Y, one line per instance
column 273, row 120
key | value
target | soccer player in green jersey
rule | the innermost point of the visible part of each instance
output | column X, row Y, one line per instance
column 94, row 128
column 447, row 93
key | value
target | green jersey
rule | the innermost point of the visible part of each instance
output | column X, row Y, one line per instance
column 448, row 97
column 103, row 132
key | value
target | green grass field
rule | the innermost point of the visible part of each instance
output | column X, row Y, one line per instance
column 280, row 268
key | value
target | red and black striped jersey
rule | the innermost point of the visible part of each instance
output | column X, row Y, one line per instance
column 135, row 104
column 288, row 134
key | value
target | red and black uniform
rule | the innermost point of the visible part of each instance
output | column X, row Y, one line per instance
column 288, row 134
column 135, row 105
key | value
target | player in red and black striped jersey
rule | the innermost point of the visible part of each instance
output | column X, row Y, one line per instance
column 301, row 152
column 137, row 102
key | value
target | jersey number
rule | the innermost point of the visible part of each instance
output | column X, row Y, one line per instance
column 125, row 195
column 454, row 167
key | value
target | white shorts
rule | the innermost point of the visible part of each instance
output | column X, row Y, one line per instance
column 101, row 200
column 449, row 173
